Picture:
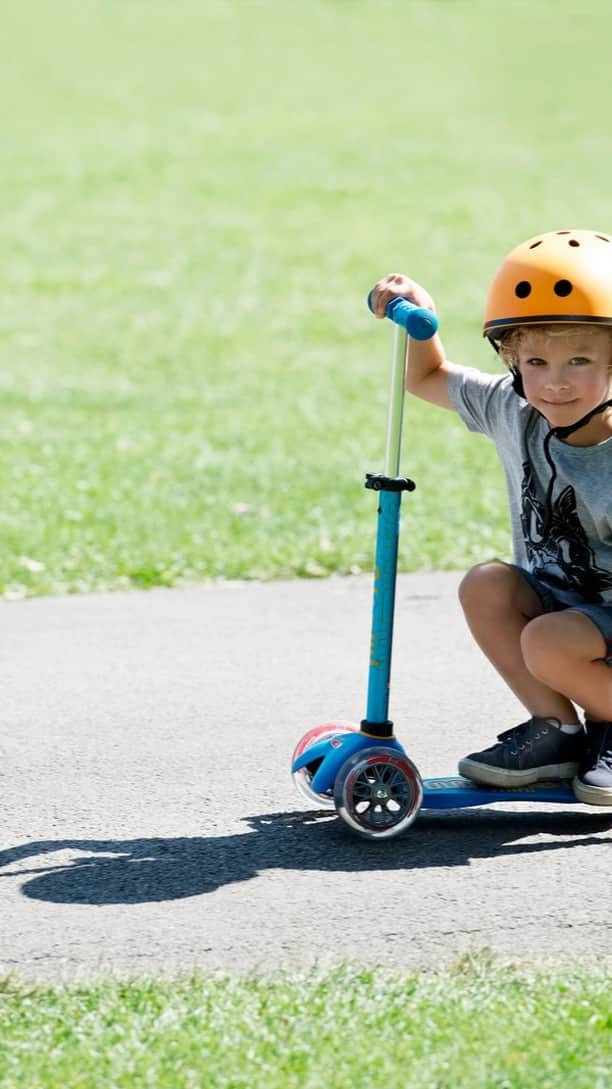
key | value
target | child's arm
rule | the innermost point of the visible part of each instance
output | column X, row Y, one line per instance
column 428, row 368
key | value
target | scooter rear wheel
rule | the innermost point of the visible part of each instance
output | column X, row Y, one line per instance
column 302, row 779
column 378, row 793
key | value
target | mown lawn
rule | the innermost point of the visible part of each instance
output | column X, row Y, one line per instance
column 479, row 1025
column 196, row 199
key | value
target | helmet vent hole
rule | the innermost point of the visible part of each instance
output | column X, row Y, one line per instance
column 564, row 232
column 573, row 242
column 534, row 244
column 522, row 289
column 563, row 288
column 603, row 237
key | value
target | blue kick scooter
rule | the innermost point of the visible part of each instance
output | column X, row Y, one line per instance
column 364, row 772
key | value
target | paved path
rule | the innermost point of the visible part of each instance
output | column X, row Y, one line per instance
column 148, row 823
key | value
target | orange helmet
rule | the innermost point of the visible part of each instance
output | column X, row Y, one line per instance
column 560, row 276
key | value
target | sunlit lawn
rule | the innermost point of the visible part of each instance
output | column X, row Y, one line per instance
column 477, row 1026
column 195, row 200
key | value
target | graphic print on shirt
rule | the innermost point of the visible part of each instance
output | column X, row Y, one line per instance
column 557, row 545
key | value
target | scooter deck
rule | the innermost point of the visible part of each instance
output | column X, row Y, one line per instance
column 456, row 792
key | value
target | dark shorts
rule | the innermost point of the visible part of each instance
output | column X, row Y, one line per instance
column 600, row 615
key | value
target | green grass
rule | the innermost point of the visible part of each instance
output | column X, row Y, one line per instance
column 478, row 1026
column 196, row 198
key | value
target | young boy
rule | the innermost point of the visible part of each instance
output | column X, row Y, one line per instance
column 545, row 621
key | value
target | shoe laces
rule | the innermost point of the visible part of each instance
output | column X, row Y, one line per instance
column 599, row 742
column 519, row 733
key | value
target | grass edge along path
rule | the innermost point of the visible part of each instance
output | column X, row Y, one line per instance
column 480, row 1023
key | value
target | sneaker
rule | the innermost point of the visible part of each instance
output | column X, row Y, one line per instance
column 593, row 783
column 530, row 752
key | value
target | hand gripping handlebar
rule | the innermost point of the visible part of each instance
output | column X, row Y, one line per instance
column 419, row 323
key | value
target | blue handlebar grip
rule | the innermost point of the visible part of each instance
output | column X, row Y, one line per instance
column 419, row 323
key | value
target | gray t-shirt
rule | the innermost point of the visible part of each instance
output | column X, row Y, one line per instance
column 565, row 540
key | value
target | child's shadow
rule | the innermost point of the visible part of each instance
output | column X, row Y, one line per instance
column 135, row 871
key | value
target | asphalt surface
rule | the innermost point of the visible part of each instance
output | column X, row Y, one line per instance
column 149, row 824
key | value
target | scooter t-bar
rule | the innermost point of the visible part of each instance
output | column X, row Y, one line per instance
column 420, row 324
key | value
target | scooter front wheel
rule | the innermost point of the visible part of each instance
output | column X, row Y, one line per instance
column 378, row 792
column 302, row 779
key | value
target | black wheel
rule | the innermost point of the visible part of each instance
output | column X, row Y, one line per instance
column 378, row 792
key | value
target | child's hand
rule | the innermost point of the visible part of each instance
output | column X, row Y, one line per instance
column 394, row 285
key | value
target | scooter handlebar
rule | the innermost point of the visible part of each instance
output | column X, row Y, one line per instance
column 419, row 323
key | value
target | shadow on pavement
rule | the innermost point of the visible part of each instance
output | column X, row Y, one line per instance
column 134, row 871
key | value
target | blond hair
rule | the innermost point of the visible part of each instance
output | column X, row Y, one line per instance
column 510, row 340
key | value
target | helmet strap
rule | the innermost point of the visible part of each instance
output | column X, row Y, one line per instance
column 517, row 381
column 563, row 432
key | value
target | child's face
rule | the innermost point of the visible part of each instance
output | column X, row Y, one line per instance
column 565, row 376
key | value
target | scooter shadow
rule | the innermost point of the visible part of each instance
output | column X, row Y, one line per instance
column 135, row 871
